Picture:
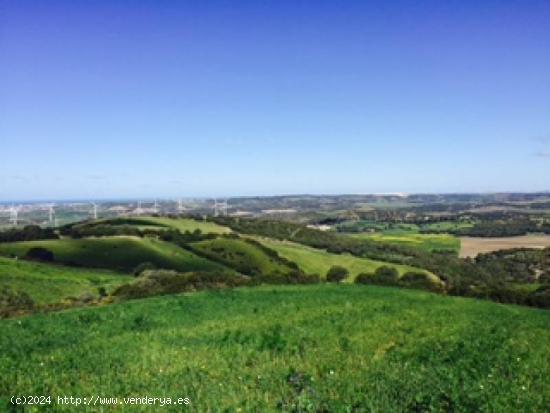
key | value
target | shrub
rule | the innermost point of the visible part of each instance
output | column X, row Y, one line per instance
column 364, row 278
column 162, row 282
column 385, row 275
column 337, row 273
column 140, row 268
column 540, row 297
column 294, row 277
column 28, row 233
column 102, row 292
column 415, row 279
column 14, row 302
column 39, row 254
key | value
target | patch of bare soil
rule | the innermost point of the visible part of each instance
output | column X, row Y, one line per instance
column 471, row 246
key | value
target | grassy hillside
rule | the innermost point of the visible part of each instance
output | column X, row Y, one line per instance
column 317, row 261
column 314, row 348
column 47, row 284
column 426, row 242
column 242, row 255
column 185, row 224
column 118, row 253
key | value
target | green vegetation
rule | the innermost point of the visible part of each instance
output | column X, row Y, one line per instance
column 27, row 233
column 306, row 348
column 318, row 261
column 425, row 242
column 117, row 253
column 246, row 256
column 185, row 224
column 506, row 227
column 140, row 226
column 446, row 226
column 48, row 284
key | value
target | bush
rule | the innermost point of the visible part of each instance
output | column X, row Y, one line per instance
column 39, row 254
column 419, row 280
column 14, row 302
column 294, row 277
column 364, row 278
column 163, row 282
column 540, row 297
column 385, row 275
column 28, row 233
column 140, row 268
column 337, row 273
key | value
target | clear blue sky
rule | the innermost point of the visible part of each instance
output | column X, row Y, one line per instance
column 178, row 98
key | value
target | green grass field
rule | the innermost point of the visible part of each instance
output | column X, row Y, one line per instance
column 47, row 284
column 117, row 253
column 241, row 255
column 448, row 225
column 317, row 261
column 331, row 348
column 425, row 242
column 187, row 224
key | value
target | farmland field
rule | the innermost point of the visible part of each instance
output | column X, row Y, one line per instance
column 122, row 253
column 317, row 261
column 47, row 284
column 300, row 348
column 426, row 242
column 471, row 246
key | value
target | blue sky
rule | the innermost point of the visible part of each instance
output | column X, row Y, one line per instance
column 104, row 99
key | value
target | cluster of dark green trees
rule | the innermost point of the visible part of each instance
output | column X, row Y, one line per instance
column 505, row 228
column 27, row 233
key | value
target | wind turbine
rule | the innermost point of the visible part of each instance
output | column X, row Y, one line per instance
column 94, row 210
column 51, row 214
column 220, row 208
column 14, row 211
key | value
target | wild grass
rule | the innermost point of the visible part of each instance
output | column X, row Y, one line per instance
column 121, row 253
column 245, row 257
column 294, row 348
column 47, row 284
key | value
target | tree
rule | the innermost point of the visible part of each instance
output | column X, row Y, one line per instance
column 39, row 254
column 385, row 275
column 364, row 278
column 337, row 273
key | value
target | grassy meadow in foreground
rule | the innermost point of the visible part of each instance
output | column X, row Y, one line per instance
column 309, row 348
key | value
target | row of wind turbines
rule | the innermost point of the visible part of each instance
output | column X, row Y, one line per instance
column 220, row 208
column 14, row 214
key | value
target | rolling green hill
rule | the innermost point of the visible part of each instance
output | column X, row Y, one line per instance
column 122, row 253
column 300, row 348
column 46, row 283
column 186, row 224
column 242, row 255
column 317, row 261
